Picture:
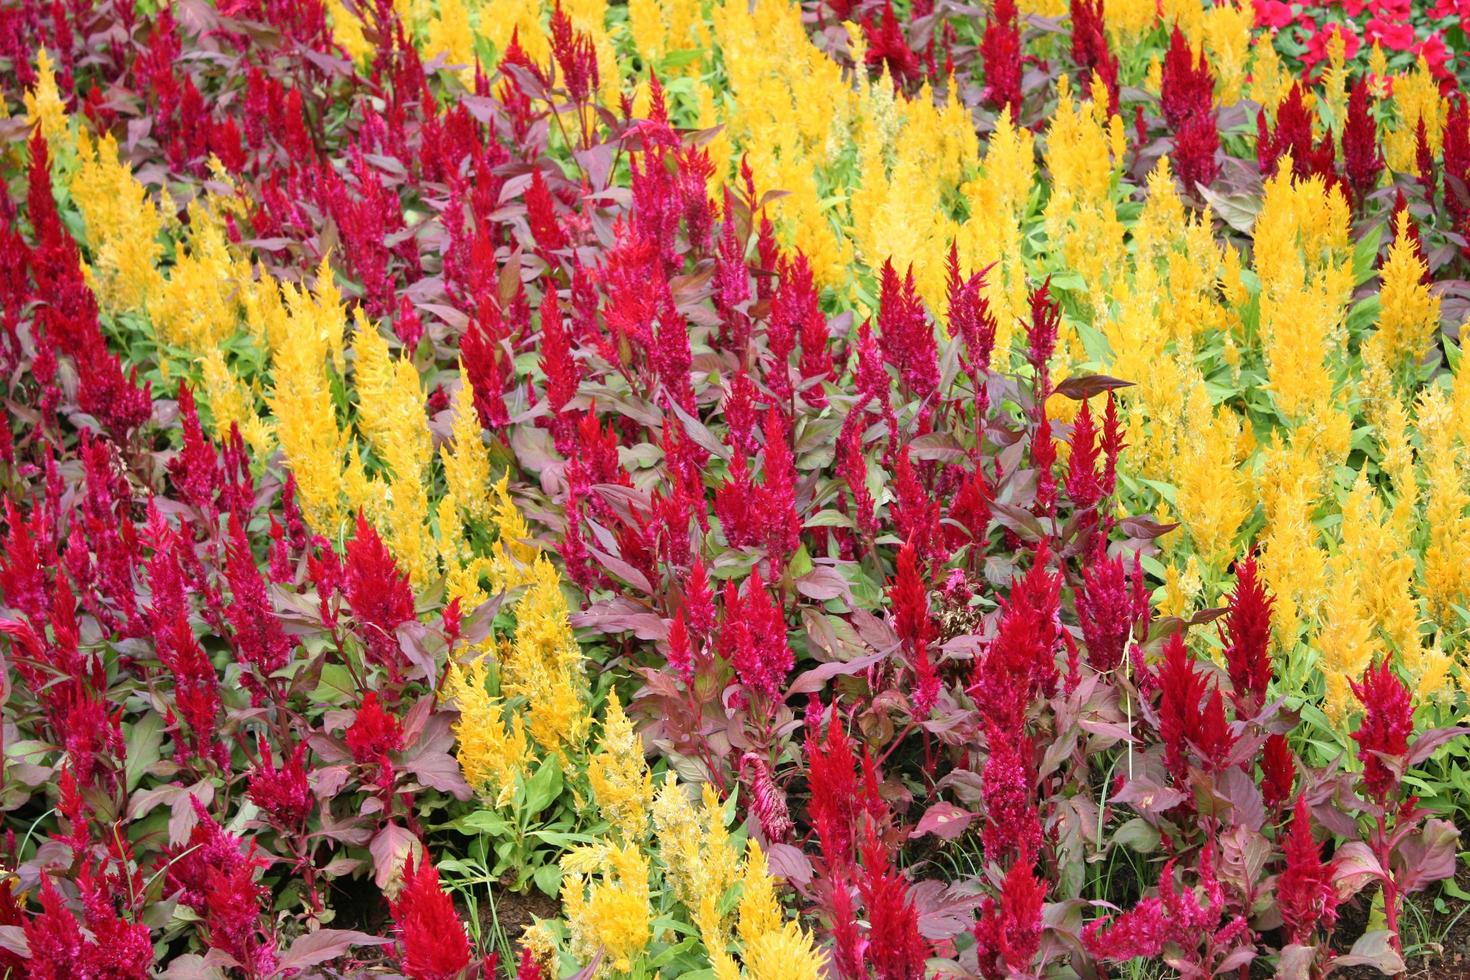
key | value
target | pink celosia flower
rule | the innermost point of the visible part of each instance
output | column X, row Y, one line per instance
column 767, row 799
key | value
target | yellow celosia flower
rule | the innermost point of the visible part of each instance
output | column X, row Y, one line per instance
column 122, row 226
column 1409, row 317
column 511, row 563
column 610, row 913
column 544, row 664
column 1446, row 572
column 1416, row 100
column 44, row 106
column 347, row 30
column 195, row 307
column 466, row 460
column 619, row 776
column 491, row 754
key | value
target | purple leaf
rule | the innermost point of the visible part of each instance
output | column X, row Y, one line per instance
column 944, row 820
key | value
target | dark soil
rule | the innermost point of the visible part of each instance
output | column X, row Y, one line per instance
column 515, row 912
column 1441, row 953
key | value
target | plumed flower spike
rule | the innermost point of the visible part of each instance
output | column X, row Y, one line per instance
column 1247, row 639
column 905, row 334
column 1000, row 52
column 431, row 938
column 1041, row 339
column 1388, row 721
column 1008, row 933
column 1188, row 99
column 753, row 635
column 910, row 599
column 1278, row 771
column 1304, row 891
column 379, row 596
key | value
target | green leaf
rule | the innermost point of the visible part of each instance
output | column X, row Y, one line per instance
column 1365, row 255
column 548, row 879
column 145, row 745
column 484, row 822
column 544, row 787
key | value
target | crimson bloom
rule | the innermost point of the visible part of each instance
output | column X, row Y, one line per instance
column 431, row 938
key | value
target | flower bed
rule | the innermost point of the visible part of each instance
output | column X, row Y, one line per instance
column 694, row 489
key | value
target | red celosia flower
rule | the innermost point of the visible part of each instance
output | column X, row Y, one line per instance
column 970, row 318
column 778, row 504
column 1305, row 892
column 1041, row 339
column 1362, row 159
column 753, row 637
column 916, row 513
column 915, row 629
column 480, row 351
column 853, row 466
column 563, row 374
column 1170, row 917
column 1008, row 934
column 541, row 216
column 738, row 506
column 214, row 877
column 887, row 47
column 1247, row 639
column 767, row 799
column 1090, row 51
column 1388, row 721
column 896, row 950
column 1020, row 663
column 1212, row 736
column 1113, row 445
column 258, row 640
column 1107, row 608
column 282, row 794
column 740, row 414
column 195, row 470
column 528, row 969
column 380, row 598
column 1000, row 53
column 111, row 947
column 1181, row 689
column 1456, row 158
column 1084, row 486
column 1278, row 771
column 832, row 780
column 1188, row 102
column 196, row 685
column 681, row 652
column 432, row 940
column 374, row 734
column 407, row 326
column 905, row 335
column 699, row 600
column 575, row 55
column 1012, row 828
